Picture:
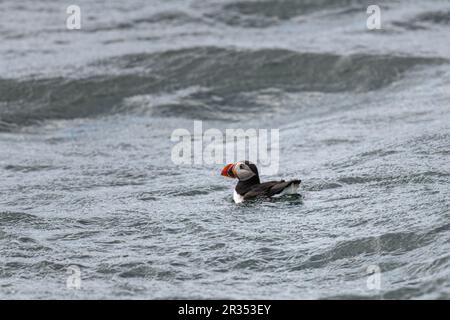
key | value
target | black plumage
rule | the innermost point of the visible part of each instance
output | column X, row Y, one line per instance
column 253, row 188
column 250, row 190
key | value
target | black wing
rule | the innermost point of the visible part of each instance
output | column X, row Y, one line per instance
column 268, row 189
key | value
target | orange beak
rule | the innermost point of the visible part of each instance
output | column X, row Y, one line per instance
column 227, row 171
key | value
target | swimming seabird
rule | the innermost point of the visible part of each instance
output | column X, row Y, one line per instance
column 249, row 185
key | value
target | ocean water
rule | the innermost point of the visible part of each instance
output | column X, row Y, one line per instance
column 88, row 188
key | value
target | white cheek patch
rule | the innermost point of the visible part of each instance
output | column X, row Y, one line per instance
column 245, row 175
column 237, row 197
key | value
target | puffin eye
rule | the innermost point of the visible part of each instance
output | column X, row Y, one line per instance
column 241, row 166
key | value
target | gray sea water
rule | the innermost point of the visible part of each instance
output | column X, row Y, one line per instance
column 87, row 181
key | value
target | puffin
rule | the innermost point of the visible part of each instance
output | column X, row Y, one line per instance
column 249, row 185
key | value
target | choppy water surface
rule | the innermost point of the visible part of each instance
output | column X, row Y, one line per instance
column 86, row 174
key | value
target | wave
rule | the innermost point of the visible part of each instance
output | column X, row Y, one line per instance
column 385, row 244
column 261, row 14
column 425, row 20
column 163, row 17
column 225, row 76
column 9, row 217
column 437, row 17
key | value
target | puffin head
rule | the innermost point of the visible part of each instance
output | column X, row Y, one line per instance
column 242, row 170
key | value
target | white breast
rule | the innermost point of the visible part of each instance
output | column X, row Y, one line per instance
column 237, row 197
